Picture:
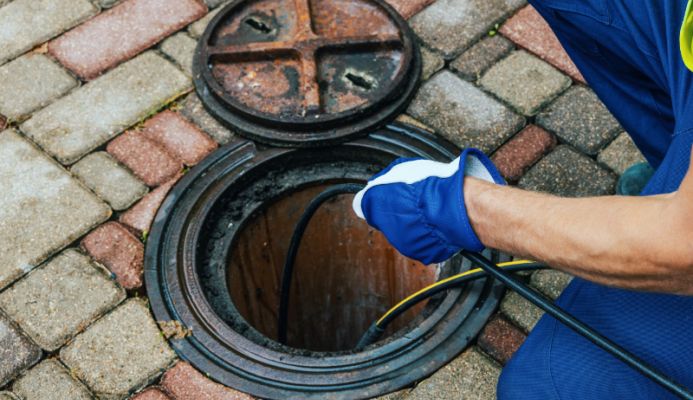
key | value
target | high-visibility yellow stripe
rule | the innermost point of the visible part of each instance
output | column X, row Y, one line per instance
column 470, row 272
column 686, row 38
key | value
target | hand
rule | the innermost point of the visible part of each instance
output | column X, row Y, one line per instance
column 419, row 205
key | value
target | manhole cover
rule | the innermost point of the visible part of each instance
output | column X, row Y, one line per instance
column 306, row 72
column 215, row 254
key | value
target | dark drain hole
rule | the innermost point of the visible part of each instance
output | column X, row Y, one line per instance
column 346, row 275
column 360, row 81
column 258, row 25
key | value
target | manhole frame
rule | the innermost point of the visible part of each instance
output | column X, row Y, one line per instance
column 236, row 361
column 307, row 133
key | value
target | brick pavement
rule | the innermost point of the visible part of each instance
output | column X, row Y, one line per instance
column 119, row 250
column 101, row 125
column 31, row 82
column 57, row 300
column 49, row 380
column 120, row 33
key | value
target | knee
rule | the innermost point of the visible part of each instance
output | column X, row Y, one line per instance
column 511, row 378
column 527, row 376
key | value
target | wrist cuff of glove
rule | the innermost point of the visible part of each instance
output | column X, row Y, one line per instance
column 476, row 164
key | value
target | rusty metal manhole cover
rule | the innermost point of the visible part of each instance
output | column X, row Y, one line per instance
column 306, row 72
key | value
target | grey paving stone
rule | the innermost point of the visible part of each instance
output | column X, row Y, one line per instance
column 193, row 110
column 42, row 207
column 120, row 353
column 198, row 27
column 181, row 48
column 214, row 3
column 17, row 352
column 621, row 154
column 516, row 4
column 525, row 82
column 550, row 282
column 91, row 115
column 107, row 3
column 50, row 380
column 451, row 26
column 406, row 119
column 109, row 180
column 432, row 63
column 473, row 62
column 31, row 82
column 472, row 375
column 520, row 311
column 7, row 395
column 57, row 300
column 579, row 118
column 26, row 23
column 399, row 395
column 565, row 172
column 464, row 114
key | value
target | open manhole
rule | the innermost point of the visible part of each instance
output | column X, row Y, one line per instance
column 306, row 72
column 213, row 263
column 345, row 276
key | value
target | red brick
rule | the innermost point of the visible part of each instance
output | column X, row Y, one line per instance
column 184, row 382
column 139, row 218
column 522, row 151
column 408, row 8
column 528, row 29
column 151, row 394
column 122, row 32
column 148, row 160
column 114, row 246
column 180, row 137
column 500, row 339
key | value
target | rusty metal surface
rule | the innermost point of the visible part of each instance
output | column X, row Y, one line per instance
column 191, row 248
column 306, row 72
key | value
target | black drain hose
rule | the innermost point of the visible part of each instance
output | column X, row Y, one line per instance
column 578, row 326
column 490, row 269
column 288, row 272
column 377, row 329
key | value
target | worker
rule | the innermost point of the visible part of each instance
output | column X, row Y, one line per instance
column 632, row 255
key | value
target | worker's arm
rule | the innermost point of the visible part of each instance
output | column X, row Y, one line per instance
column 643, row 243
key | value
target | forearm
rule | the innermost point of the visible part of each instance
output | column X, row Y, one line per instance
column 639, row 243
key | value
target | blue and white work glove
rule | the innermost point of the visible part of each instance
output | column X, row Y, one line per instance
column 419, row 205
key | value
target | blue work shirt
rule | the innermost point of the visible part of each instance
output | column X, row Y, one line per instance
column 629, row 53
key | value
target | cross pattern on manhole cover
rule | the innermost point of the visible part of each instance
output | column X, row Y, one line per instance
column 306, row 45
column 306, row 70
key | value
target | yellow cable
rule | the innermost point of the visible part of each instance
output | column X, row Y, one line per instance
column 469, row 272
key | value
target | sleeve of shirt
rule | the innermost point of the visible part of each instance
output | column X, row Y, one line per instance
column 675, row 164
